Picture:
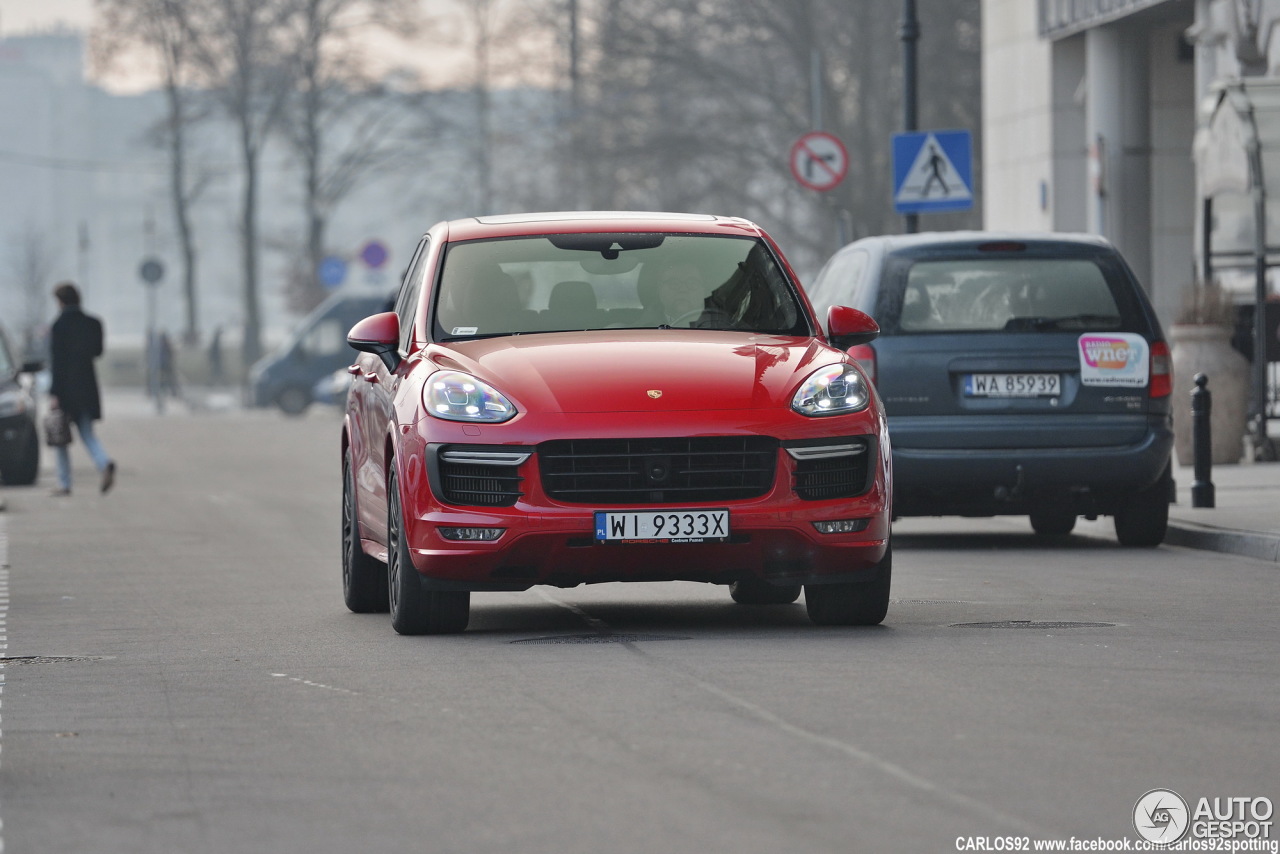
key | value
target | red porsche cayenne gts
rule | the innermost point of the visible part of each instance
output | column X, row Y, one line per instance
column 569, row 398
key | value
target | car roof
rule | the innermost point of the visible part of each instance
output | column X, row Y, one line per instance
column 972, row 239
column 589, row 222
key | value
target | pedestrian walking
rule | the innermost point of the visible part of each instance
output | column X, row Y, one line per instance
column 75, row 340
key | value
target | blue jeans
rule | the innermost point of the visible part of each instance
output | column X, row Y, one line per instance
column 84, row 425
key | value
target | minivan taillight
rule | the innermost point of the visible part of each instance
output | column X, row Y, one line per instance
column 865, row 356
column 1161, row 370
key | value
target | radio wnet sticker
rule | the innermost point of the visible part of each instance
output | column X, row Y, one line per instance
column 1115, row 359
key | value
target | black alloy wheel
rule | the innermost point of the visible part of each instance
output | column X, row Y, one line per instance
column 851, row 604
column 414, row 609
column 364, row 579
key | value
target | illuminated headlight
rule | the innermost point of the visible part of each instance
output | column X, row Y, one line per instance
column 471, row 534
column 12, row 402
column 842, row 526
column 833, row 390
column 456, row 396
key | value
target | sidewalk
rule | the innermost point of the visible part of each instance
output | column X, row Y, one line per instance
column 1245, row 519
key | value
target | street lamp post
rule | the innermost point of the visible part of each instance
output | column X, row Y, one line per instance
column 909, row 33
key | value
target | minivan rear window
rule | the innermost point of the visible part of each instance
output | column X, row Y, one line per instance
column 1010, row 294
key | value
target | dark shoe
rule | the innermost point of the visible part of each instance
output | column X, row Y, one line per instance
column 108, row 477
column 60, row 492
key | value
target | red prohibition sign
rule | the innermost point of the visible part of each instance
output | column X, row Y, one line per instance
column 819, row 160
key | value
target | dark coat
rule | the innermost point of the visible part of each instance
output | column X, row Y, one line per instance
column 75, row 340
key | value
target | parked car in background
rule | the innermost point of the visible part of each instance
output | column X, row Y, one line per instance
column 573, row 398
column 19, row 438
column 1022, row 374
column 316, row 348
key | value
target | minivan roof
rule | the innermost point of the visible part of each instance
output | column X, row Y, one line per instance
column 896, row 242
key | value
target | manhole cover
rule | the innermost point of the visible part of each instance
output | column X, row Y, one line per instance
column 1032, row 624
column 48, row 659
column 599, row 638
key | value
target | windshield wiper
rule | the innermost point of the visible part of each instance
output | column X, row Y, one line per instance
column 1075, row 321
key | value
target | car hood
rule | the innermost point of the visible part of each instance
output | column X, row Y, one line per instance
column 659, row 370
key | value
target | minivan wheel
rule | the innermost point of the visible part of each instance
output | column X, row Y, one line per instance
column 415, row 610
column 854, row 604
column 1141, row 522
column 1053, row 521
column 754, row 591
column 293, row 400
column 364, row 579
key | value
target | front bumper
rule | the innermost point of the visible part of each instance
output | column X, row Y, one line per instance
column 772, row 537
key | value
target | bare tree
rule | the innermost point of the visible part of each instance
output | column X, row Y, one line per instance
column 160, row 27
column 239, row 50
column 342, row 123
column 694, row 106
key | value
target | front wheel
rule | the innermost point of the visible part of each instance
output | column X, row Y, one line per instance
column 364, row 579
column 415, row 610
column 851, row 604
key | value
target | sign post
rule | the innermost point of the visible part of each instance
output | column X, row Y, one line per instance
column 151, row 271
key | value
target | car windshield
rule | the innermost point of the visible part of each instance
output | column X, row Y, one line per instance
column 985, row 295
column 613, row 281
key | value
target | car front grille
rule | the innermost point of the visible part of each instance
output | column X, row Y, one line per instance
column 833, row 469
column 477, row 477
column 658, row 471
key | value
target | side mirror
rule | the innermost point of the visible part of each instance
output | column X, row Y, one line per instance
column 847, row 327
column 378, row 334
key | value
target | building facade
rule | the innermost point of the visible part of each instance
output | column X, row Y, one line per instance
column 1097, row 118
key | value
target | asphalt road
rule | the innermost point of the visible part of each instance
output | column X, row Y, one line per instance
column 183, row 677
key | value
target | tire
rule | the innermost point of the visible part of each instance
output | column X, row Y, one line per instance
column 1141, row 522
column 364, row 579
column 293, row 400
column 1053, row 521
column 753, row 591
column 853, row 604
column 24, row 468
column 414, row 609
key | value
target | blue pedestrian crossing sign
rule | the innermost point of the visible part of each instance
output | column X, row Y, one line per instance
column 932, row 171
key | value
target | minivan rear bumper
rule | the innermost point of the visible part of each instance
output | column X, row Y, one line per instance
column 987, row 482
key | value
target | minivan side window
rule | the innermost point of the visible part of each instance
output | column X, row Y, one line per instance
column 326, row 338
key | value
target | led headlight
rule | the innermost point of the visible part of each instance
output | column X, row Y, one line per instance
column 834, row 390
column 455, row 396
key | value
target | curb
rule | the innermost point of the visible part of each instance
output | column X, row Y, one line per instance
column 1251, row 544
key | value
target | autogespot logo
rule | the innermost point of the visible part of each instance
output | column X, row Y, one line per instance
column 1161, row 815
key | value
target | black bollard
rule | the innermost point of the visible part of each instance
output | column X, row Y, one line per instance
column 1202, row 443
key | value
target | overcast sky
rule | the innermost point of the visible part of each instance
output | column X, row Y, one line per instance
column 449, row 60
column 23, row 16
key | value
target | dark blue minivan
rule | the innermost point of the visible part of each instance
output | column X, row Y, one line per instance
column 316, row 348
column 1022, row 374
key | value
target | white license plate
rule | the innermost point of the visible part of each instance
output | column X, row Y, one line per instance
column 1012, row 385
column 662, row 526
